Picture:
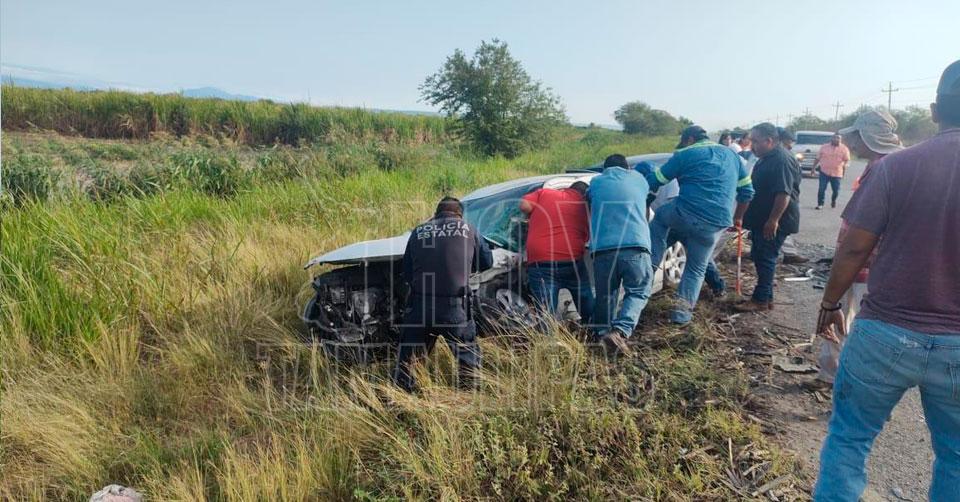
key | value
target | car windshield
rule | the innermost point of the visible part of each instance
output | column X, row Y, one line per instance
column 498, row 217
column 813, row 139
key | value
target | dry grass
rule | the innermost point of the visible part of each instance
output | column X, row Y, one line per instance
column 153, row 341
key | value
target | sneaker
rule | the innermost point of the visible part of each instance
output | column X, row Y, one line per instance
column 615, row 343
column 818, row 208
column 752, row 306
column 833, row 204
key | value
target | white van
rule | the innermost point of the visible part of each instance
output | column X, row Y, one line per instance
column 808, row 146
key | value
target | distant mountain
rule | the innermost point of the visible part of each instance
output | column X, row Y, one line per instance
column 41, row 84
column 213, row 92
column 45, row 78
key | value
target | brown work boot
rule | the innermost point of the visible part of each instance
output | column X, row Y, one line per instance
column 752, row 306
column 615, row 343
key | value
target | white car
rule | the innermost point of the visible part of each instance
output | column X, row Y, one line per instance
column 360, row 304
column 808, row 146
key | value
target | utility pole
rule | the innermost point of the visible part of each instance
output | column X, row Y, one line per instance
column 890, row 90
column 837, row 106
column 806, row 112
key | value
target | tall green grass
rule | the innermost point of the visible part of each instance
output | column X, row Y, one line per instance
column 153, row 340
column 118, row 114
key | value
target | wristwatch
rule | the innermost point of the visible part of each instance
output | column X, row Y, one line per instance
column 830, row 306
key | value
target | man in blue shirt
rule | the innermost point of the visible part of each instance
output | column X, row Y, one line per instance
column 620, row 244
column 712, row 181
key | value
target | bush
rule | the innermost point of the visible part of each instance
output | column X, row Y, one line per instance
column 147, row 178
column 214, row 175
column 278, row 165
column 110, row 151
column 393, row 156
column 28, row 177
column 106, row 183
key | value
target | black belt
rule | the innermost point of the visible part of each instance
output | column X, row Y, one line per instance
column 617, row 250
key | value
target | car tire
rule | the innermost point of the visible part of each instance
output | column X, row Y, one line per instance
column 674, row 262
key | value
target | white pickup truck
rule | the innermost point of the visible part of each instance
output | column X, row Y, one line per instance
column 808, row 146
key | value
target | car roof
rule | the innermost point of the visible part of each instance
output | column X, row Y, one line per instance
column 655, row 158
column 559, row 180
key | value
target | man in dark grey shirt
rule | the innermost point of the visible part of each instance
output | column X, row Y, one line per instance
column 907, row 333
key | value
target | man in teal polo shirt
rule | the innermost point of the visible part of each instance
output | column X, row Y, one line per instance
column 620, row 244
column 712, row 181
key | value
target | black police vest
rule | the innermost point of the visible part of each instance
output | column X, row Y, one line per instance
column 442, row 253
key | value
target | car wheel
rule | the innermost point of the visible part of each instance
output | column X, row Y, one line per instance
column 505, row 311
column 674, row 261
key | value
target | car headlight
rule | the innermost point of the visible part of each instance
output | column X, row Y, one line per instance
column 799, row 156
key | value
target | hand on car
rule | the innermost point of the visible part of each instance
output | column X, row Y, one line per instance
column 770, row 229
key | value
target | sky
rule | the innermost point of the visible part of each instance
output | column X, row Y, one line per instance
column 720, row 64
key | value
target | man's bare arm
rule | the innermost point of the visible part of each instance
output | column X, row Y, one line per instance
column 739, row 212
column 849, row 259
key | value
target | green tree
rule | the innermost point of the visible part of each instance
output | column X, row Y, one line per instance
column 637, row 117
column 498, row 106
column 808, row 122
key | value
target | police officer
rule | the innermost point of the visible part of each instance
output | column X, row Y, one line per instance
column 440, row 255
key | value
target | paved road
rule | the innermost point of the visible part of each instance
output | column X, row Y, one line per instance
column 900, row 464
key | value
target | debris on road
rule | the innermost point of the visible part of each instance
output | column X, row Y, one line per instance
column 116, row 493
column 793, row 364
column 806, row 276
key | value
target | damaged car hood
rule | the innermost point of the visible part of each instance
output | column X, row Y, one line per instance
column 377, row 250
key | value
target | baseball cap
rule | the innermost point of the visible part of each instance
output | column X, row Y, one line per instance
column 877, row 129
column 950, row 81
column 695, row 132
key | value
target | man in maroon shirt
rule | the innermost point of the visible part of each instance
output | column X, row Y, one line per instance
column 907, row 333
column 556, row 238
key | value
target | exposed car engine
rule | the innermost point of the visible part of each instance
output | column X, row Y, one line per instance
column 355, row 305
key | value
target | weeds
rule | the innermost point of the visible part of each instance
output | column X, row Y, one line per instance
column 28, row 177
column 153, row 341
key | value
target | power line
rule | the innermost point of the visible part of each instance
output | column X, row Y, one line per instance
column 916, row 79
column 890, row 90
column 837, row 107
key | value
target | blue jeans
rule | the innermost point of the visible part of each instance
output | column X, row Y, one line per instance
column 834, row 183
column 631, row 268
column 879, row 362
column 546, row 279
column 699, row 238
column 764, row 253
column 711, row 277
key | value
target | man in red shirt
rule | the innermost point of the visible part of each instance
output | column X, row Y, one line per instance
column 556, row 238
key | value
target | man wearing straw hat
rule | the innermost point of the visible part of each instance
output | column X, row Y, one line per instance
column 907, row 333
column 871, row 137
